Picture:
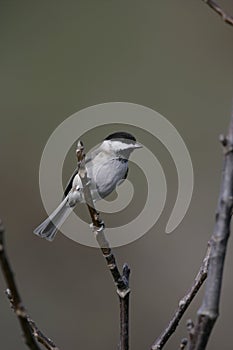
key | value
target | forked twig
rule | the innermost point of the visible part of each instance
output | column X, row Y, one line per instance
column 183, row 304
column 209, row 310
column 31, row 332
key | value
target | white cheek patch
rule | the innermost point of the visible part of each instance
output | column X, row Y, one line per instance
column 116, row 145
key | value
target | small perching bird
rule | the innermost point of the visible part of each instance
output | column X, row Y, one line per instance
column 107, row 166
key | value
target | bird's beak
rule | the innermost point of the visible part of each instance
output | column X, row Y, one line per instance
column 138, row 145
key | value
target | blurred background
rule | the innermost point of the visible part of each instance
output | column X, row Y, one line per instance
column 58, row 57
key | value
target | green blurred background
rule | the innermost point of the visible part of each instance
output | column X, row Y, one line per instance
column 58, row 57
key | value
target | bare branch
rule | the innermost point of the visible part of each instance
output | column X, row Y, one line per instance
column 16, row 301
column 47, row 342
column 39, row 336
column 121, row 280
column 226, row 18
column 209, row 310
column 183, row 304
column 124, row 312
column 31, row 332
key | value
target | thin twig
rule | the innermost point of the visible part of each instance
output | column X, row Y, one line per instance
column 121, row 280
column 31, row 333
column 47, row 342
column 38, row 335
column 183, row 304
column 17, row 302
column 225, row 17
column 209, row 310
column 124, row 312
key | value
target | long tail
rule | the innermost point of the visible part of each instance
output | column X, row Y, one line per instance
column 48, row 228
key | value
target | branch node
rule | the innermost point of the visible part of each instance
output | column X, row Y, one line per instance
column 226, row 144
column 97, row 229
column 223, row 140
column 209, row 310
column 31, row 333
column 190, row 325
column 183, row 343
column 183, row 304
column 123, row 292
column 126, row 273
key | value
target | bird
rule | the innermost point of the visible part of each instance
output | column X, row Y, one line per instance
column 107, row 167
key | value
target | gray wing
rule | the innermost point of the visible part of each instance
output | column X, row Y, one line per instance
column 109, row 175
column 70, row 182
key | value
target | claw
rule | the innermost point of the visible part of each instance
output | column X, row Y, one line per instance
column 97, row 229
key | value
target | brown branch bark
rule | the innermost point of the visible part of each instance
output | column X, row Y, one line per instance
column 225, row 17
column 209, row 310
column 183, row 305
column 31, row 333
column 121, row 280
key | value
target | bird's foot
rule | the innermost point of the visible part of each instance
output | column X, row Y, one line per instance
column 98, row 229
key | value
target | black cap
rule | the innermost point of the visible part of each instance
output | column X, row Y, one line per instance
column 120, row 135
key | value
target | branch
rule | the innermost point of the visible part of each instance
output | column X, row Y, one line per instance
column 209, row 310
column 226, row 18
column 121, row 280
column 124, row 313
column 31, row 333
column 47, row 342
column 183, row 304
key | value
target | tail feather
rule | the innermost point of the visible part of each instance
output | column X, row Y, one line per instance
column 48, row 228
